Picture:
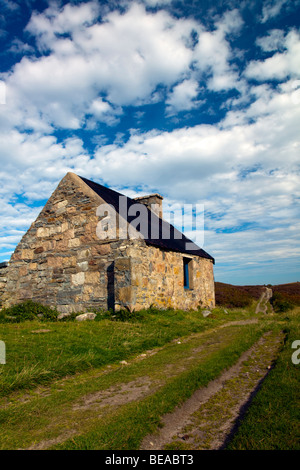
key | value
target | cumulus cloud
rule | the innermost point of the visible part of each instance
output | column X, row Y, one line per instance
column 183, row 97
column 124, row 58
column 211, row 155
column 273, row 41
column 48, row 26
column 280, row 65
column 213, row 53
column 29, row 159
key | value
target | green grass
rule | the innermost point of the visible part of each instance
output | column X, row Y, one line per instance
column 68, row 347
column 49, row 413
column 272, row 421
column 125, row 429
column 47, row 372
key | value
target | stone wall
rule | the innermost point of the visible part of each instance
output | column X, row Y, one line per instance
column 155, row 277
column 3, row 279
column 60, row 260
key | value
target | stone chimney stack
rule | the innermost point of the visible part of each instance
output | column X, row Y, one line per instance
column 153, row 202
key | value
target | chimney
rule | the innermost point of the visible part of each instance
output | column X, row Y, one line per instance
column 152, row 202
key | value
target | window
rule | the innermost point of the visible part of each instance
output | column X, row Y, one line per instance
column 187, row 270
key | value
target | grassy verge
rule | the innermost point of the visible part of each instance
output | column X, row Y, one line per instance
column 272, row 421
column 40, row 352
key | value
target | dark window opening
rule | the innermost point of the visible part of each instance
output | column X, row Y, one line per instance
column 186, row 276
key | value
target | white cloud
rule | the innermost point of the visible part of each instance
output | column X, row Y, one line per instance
column 213, row 156
column 124, row 58
column 273, row 41
column 272, row 8
column 19, row 47
column 14, row 221
column 213, row 53
column 230, row 23
column 183, row 97
column 279, row 66
column 2, row 92
column 29, row 159
column 52, row 22
column 196, row 163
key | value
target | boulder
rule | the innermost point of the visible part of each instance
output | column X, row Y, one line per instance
column 205, row 313
column 63, row 315
column 86, row 316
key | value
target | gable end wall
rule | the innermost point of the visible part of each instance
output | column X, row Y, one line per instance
column 60, row 261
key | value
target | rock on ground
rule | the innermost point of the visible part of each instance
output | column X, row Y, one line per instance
column 86, row 316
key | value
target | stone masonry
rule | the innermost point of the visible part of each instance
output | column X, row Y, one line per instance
column 61, row 262
column 3, row 278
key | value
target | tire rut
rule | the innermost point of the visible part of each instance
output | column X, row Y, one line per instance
column 210, row 416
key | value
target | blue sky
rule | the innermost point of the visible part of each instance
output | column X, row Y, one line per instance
column 196, row 100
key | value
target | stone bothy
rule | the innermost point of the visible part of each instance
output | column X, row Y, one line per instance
column 89, row 249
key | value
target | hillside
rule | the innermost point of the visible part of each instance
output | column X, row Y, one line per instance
column 232, row 296
column 291, row 292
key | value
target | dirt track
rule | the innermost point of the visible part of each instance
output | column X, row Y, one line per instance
column 210, row 416
column 263, row 303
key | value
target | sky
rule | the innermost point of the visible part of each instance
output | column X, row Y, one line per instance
column 196, row 100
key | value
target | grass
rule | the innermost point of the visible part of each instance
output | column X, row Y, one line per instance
column 272, row 421
column 38, row 352
column 125, row 429
column 51, row 365
column 204, row 424
column 41, row 415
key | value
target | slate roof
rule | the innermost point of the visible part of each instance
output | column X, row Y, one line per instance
column 177, row 240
